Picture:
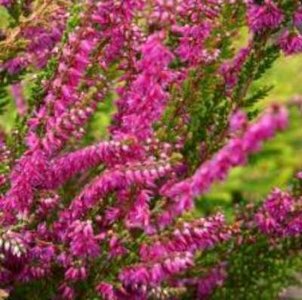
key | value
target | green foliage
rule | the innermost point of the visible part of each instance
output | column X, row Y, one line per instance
column 36, row 90
column 73, row 21
column 258, row 270
column 259, row 94
column 3, row 99
column 208, row 114
column 268, row 57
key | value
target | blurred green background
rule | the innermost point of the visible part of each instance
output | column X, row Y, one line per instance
column 280, row 158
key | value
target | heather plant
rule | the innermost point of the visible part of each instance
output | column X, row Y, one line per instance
column 107, row 211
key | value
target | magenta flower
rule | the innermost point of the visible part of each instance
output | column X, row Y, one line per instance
column 291, row 43
column 67, row 292
column 294, row 226
column 76, row 274
column 274, row 212
column 192, row 237
column 114, row 217
column 298, row 17
column 146, row 98
column 234, row 153
column 211, row 281
column 264, row 16
column 6, row 3
column 15, row 65
column 140, row 276
column 238, row 121
column 106, row 291
column 139, row 215
column 83, row 242
column 191, row 47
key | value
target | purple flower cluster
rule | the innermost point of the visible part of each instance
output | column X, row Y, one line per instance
column 191, row 41
column 211, row 281
column 191, row 237
column 234, row 153
column 273, row 213
column 138, row 277
column 280, row 215
column 172, row 255
column 146, row 98
column 6, row 3
column 114, row 217
column 266, row 16
column 205, row 285
column 43, row 41
column 291, row 43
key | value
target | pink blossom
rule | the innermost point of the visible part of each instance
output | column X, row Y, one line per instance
column 191, row 46
column 147, row 97
column 115, row 179
column 298, row 17
column 264, row 16
column 67, row 292
column 234, row 153
column 291, row 43
column 77, row 210
column 15, row 65
column 272, row 215
column 139, row 215
column 6, row 3
column 83, row 242
column 192, row 237
column 238, row 121
column 75, row 274
column 140, row 276
column 106, row 291
column 211, row 281
column 109, row 153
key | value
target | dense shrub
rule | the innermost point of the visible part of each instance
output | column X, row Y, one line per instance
column 87, row 214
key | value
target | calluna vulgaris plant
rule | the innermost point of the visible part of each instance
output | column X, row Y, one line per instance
column 90, row 215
